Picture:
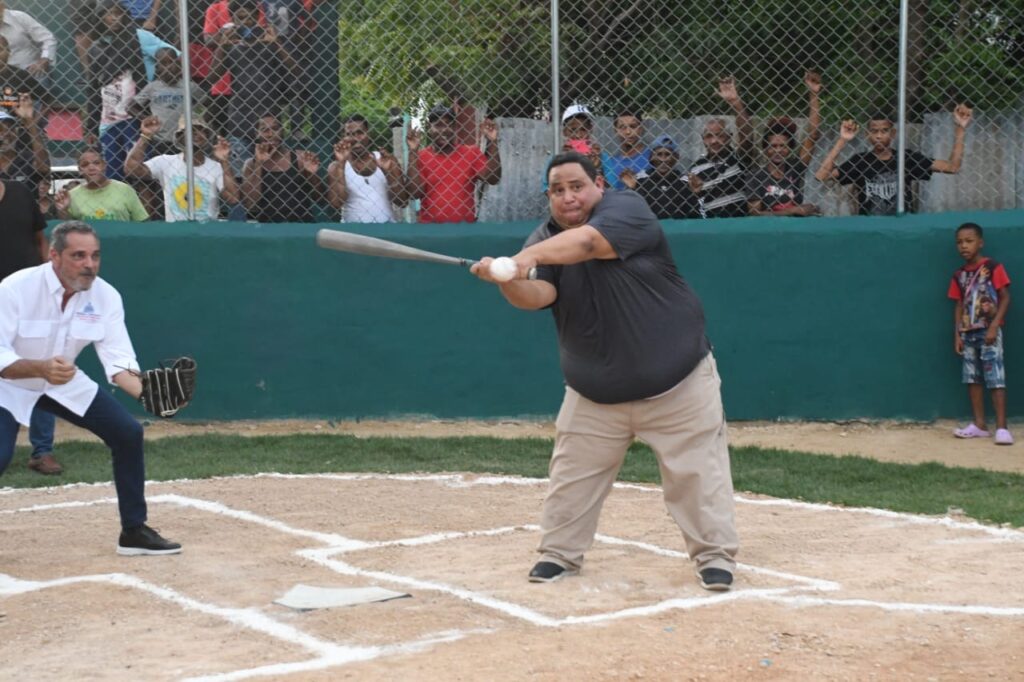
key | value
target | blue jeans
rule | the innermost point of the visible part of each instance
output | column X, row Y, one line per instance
column 116, row 141
column 40, row 432
column 113, row 424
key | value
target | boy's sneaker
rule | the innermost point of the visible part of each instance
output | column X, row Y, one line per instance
column 144, row 540
column 971, row 431
column 549, row 572
column 1003, row 437
column 715, row 579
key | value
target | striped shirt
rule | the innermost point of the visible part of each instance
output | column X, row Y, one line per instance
column 724, row 190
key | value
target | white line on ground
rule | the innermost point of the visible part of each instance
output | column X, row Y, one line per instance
column 330, row 654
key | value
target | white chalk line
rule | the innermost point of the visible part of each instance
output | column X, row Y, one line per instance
column 328, row 654
column 337, row 544
column 471, row 480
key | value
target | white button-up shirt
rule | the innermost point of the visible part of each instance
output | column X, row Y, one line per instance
column 30, row 41
column 33, row 327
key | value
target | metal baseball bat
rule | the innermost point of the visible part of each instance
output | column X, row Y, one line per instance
column 371, row 246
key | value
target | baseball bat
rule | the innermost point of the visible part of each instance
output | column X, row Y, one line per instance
column 350, row 242
column 371, row 246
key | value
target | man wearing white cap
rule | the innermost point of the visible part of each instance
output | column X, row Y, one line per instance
column 578, row 136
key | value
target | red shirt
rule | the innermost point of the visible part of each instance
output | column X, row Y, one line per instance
column 977, row 286
column 449, row 182
column 217, row 15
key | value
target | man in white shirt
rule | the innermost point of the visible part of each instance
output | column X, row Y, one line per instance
column 214, row 179
column 48, row 315
column 33, row 46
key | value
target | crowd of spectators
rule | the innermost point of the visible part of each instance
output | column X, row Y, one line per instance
column 251, row 68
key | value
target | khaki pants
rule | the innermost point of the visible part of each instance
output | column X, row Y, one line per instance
column 686, row 429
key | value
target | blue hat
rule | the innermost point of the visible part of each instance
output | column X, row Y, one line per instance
column 666, row 142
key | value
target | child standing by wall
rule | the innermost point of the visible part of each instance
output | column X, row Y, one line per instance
column 981, row 289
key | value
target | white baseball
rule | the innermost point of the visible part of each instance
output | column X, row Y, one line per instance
column 504, row 269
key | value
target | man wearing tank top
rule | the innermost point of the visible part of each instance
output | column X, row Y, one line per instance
column 280, row 185
column 364, row 185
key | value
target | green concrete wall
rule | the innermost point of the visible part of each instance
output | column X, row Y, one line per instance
column 814, row 319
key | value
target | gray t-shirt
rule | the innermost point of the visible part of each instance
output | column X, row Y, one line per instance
column 628, row 328
column 167, row 102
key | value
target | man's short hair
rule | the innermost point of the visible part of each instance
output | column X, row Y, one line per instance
column 59, row 236
column 439, row 112
column 972, row 226
column 628, row 112
column 572, row 157
column 879, row 116
column 358, row 118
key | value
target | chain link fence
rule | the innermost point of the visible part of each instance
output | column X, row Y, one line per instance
column 447, row 111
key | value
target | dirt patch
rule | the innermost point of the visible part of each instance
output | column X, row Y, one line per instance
column 821, row 593
column 886, row 441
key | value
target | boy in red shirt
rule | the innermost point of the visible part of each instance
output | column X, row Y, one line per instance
column 981, row 289
column 444, row 175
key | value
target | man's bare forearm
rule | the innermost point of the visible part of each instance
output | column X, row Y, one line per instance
column 24, row 369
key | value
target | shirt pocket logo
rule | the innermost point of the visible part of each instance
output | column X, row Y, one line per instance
column 86, row 331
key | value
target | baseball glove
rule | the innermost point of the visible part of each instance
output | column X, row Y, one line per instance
column 167, row 389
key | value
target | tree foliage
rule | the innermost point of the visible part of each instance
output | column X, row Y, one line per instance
column 664, row 56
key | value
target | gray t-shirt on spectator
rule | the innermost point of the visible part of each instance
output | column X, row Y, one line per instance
column 628, row 328
column 167, row 102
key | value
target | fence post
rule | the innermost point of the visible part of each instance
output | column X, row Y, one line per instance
column 556, row 109
column 186, row 68
column 901, row 123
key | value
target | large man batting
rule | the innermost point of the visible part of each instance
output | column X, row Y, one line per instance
column 637, row 365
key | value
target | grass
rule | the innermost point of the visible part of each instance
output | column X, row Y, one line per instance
column 929, row 488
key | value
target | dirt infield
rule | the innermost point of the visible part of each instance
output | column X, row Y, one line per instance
column 822, row 593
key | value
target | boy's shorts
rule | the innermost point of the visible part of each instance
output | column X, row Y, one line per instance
column 983, row 363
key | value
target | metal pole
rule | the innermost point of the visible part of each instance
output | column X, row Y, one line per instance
column 901, row 123
column 186, row 70
column 556, row 112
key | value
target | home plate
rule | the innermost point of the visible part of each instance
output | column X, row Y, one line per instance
column 307, row 597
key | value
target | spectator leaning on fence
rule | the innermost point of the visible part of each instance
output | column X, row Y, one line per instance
column 874, row 172
column 280, row 185
column 777, row 188
column 165, row 99
column 23, row 155
column 444, row 175
column 213, row 177
column 261, row 73
column 100, row 198
column 364, row 184
column 32, row 45
column 577, row 136
column 719, row 178
column 633, row 155
column 666, row 189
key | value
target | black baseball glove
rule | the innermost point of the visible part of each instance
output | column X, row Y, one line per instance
column 167, row 389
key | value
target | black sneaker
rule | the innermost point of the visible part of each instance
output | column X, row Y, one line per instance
column 549, row 572
column 715, row 579
column 144, row 540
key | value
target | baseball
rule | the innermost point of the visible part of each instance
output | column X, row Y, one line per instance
column 504, row 269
